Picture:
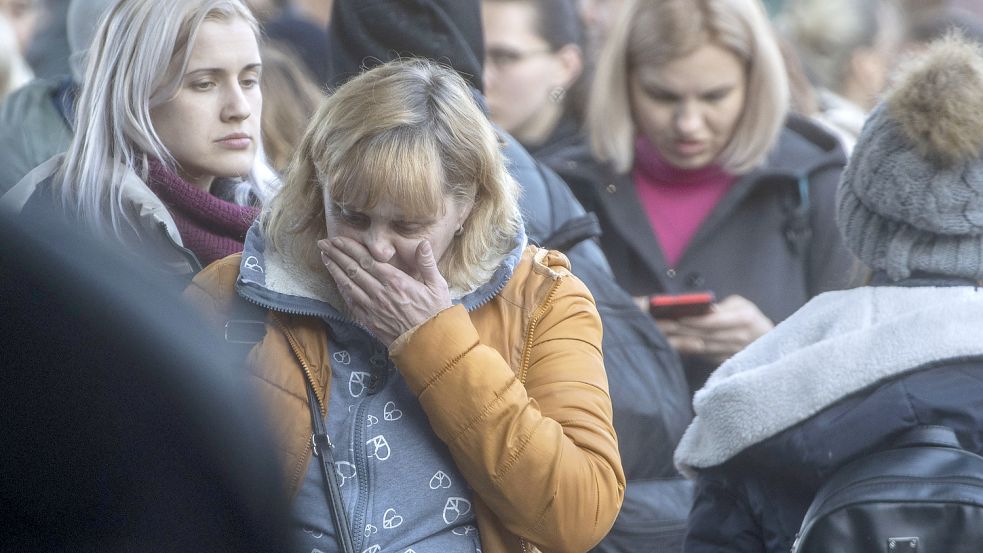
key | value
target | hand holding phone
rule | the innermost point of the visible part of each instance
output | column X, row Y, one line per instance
column 675, row 306
column 729, row 327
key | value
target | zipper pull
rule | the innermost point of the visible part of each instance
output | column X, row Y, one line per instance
column 326, row 441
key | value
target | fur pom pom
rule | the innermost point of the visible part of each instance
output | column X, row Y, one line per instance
column 938, row 100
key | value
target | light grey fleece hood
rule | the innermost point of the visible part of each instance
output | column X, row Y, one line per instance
column 837, row 344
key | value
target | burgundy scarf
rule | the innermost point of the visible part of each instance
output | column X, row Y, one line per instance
column 210, row 227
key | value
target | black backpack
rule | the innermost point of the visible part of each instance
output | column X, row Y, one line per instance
column 922, row 495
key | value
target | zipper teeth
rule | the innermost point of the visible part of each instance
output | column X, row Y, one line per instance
column 362, row 468
column 189, row 255
column 532, row 329
column 303, row 362
column 523, row 544
column 491, row 296
column 299, row 467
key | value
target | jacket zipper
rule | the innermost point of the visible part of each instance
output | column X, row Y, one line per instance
column 530, row 334
column 188, row 255
column 322, row 403
column 295, row 348
column 532, row 329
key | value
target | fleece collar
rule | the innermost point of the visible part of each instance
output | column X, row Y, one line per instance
column 269, row 280
column 837, row 344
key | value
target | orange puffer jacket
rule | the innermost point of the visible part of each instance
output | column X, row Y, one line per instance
column 516, row 389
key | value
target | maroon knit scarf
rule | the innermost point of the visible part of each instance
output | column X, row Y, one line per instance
column 210, row 227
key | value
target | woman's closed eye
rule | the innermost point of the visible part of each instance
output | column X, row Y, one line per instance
column 410, row 228
column 352, row 218
column 660, row 95
column 203, row 85
column 717, row 94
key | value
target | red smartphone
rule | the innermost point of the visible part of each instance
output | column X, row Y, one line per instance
column 674, row 306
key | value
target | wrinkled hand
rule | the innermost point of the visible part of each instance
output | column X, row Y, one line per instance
column 727, row 329
column 380, row 296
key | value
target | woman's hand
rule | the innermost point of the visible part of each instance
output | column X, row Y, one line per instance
column 383, row 298
column 730, row 327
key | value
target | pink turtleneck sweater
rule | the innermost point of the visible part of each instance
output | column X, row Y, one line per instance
column 677, row 201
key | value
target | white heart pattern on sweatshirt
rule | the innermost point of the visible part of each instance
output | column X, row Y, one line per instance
column 390, row 413
column 390, row 519
column 440, row 480
column 455, row 508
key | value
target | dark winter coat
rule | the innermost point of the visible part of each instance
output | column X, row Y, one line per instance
column 841, row 378
column 772, row 238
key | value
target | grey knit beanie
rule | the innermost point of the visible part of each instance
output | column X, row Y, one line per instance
column 911, row 197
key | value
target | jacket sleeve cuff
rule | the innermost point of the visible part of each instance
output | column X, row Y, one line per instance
column 426, row 352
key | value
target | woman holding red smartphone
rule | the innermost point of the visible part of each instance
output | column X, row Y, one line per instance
column 702, row 180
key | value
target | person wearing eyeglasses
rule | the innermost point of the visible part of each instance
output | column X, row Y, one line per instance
column 533, row 74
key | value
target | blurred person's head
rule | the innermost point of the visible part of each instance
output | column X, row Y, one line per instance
column 847, row 46
column 909, row 200
column 315, row 11
column 14, row 71
column 533, row 57
column 704, row 82
column 400, row 154
column 264, row 10
column 290, row 98
column 365, row 34
column 23, row 16
column 598, row 17
column 147, row 436
column 176, row 81
column 82, row 22
column 929, row 25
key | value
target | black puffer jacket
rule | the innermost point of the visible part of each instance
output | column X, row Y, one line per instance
column 647, row 386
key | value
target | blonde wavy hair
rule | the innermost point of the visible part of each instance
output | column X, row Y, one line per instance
column 408, row 130
column 136, row 62
column 654, row 32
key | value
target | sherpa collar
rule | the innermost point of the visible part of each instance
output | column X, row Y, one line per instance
column 268, row 279
column 837, row 344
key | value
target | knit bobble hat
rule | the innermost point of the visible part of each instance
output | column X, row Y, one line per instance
column 911, row 197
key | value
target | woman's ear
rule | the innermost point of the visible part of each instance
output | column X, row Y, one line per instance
column 571, row 59
column 466, row 208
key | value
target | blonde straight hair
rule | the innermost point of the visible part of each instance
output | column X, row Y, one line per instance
column 136, row 62
column 654, row 32
column 409, row 130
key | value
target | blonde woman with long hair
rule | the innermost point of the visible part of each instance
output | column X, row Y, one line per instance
column 165, row 154
column 436, row 383
column 705, row 183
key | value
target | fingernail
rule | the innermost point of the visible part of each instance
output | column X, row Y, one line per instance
column 323, row 245
column 425, row 248
column 336, row 242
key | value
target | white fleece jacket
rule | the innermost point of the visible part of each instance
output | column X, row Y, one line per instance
column 838, row 343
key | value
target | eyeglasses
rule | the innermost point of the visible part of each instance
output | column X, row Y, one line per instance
column 503, row 58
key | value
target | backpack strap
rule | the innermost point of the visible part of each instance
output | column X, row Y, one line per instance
column 572, row 232
column 245, row 329
column 927, row 435
column 797, row 230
